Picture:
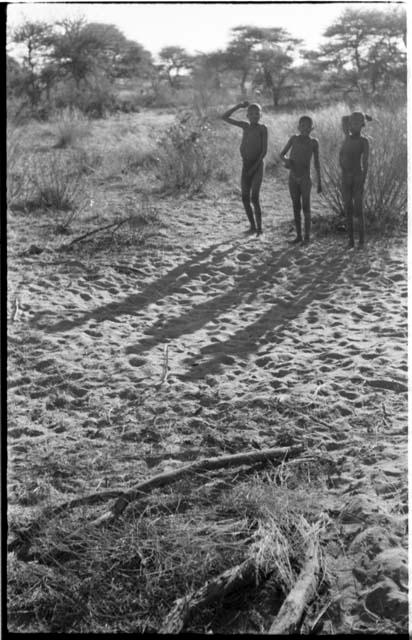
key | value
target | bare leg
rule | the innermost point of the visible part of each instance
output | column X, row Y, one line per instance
column 256, row 184
column 246, row 183
column 358, row 210
column 306, row 186
column 295, row 194
column 348, row 207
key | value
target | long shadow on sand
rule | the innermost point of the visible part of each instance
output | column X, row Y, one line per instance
column 268, row 328
column 244, row 289
column 154, row 291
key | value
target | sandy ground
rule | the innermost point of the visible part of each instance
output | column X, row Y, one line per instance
column 246, row 321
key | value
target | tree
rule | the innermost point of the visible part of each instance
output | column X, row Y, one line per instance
column 79, row 49
column 240, row 52
column 209, row 67
column 174, row 59
column 266, row 54
column 133, row 61
column 275, row 59
column 34, row 36
column 365, row 49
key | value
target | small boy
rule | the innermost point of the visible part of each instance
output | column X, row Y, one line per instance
column 354, row 160
column 302, row 147
column 253, row 149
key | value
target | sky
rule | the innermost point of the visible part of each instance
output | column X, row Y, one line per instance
column 195, row 27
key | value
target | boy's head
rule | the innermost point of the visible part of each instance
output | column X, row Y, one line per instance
column 254, row 111
column 357, row 121
column 305, row 125
column 345, row 125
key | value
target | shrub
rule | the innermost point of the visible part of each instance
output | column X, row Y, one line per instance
column 70, row 125
column 385, row 198
column 53, row 181
column 17, row 179
column 186, row 154
column 58, row 181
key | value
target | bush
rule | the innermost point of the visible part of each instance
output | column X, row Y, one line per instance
column 70, row 125
column 17, row 179
column 186, row 154
column 385, row 198
column 51, row 181
column 58, row 181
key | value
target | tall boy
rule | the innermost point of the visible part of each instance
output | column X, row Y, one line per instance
column 253, row 149
column 354, row 161
column 302, row 147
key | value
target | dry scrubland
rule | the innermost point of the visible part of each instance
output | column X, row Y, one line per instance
column 146, row 332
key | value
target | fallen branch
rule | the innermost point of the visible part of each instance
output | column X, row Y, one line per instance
column 22, row 537
column 90, row 233
column 217, row 588
column 206, row 464
column 165, row 371
column 291, row 612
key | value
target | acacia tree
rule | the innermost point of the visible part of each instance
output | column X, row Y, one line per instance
column 174, row 60
column 80, row 49
column 240, row 52
column 34, row 37
column 365, row 49
column 133, row 61
column 275, row 59
column 263, row 54
column 209, row 67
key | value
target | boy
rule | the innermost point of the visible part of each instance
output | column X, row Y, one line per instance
column 253, row 149
column 354, row 160
column 302, row 147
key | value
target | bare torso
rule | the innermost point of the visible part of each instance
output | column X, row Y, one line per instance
column 351, row 154
column 300, row 155
column 251, row 146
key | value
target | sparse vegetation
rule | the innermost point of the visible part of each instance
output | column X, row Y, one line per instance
column 157, row 334
column 186, row 155
column 129, row 576
column 70, row 126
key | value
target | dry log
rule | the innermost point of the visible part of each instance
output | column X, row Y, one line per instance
column 207, row 464
column 217, row 588
column 116, row 224
column 291, row 612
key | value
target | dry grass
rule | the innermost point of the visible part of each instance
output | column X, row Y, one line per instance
column 70, row 125
column 127, row 577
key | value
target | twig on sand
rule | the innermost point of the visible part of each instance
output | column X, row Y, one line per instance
column 165, row 371
column 15, row 310
column 207, row 464
column 291, row 612
column 230, row 580
column 116, row 224
column 315, row 624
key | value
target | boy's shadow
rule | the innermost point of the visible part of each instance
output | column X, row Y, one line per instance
column 244, row 289
column 154, row 291
column 272, row 322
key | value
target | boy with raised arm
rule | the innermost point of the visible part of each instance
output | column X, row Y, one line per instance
column 354, row 160
column 301, row 148
column 253, row 149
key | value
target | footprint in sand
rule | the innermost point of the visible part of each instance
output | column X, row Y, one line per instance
column 244, row 256
column 137, row 362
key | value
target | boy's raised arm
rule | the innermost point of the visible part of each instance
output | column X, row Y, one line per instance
column 226, row 116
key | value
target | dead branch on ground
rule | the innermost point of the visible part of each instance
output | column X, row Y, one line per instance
column 290, row 614
column 206, row 464
column 217, row 588
column 116, row 224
